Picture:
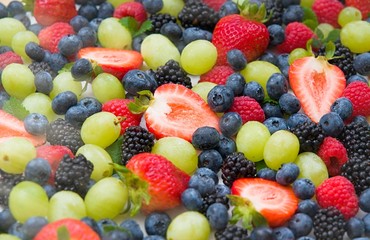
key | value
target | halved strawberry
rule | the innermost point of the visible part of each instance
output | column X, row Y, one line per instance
column 114, row 61
column 317, row 84
column 11, row 126
column 275, row 202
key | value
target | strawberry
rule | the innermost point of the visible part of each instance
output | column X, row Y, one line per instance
column 47, row 12
column 114, row 61
column 9, row 57
column 359, row 95
column 119, row 107
column 334, row 155
column 218, row 74
column 248, row 108
column 317, row 84
column 50, row 36
column 340, row 193
column 67, row 228
column 327, row 11
column 362, row 5
column 131, row 9
column 296, row 36
column 215, row 4
column 11, row 126
column 275, row 202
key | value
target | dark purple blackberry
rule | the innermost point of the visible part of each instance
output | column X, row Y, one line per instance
column 356, row 139
column 275, row 10
column 329, row 223
column 73, row 174
column 209, row 199
column 236, row 166
column 61, row 132
column 36, row 67
column 232, row 232
column 159, row 19
column 7, row 182
column 171, row 72
column 357, row 170
column 310, row 136
column 136, row 140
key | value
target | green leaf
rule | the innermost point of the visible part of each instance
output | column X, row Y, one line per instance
column 114, row 150
column 145, row 26
column 310, row 23
column 28, row 5
column 329, row 50
column 63, row 233
column 14, row 107
column 309, row 18
column 258, row 220
column 134, row 26
column 319, row 34
column 333, row 35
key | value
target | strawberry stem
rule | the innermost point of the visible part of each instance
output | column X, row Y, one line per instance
column 253, row 11
column 142, row 102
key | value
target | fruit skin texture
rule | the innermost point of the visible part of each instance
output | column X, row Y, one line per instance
column 50, row 36
column 362, row 5
column 296, row 36
column 131, row 9
column 166, row 181
column 338, row 192
column 218, row 75
column 76, row 229
column 47, row 12
column 327, row 11
column 235, row 31
column 248, row 108
column 215, row 4
column 8, row 58
column 333, row 154
column 317, row 84
column 359, row 95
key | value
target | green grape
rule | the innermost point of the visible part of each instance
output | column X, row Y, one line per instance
column 102, row 129
column 8, row 28
column 112, row 34
column 297, row 54
column 251, row 140
column 28, row 199
column 312, row 167
column 100, row 159
column 18, row 80
column 106, row 87
column 65, row 82
column 189, row 225
column 356, row 36
column 172, row 7
column 66, row 204
column 156, row 50
column 116, row 3
column 179, row 151
column 40, row 103
column 15, row 153
column 198, row 57
column 203, row 88
column 349, row 14
column 282, row 147
column 4, row 236
column 20, row 41
column 325, row 28
column 106, row 198
column 307, row 3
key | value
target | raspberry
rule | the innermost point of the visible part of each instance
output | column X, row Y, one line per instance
column 363, row 6
column 296, row 36
column 215, row 4
column 359, row 94
column 8, row 58
column 334, row 155
column 340, row 193
column 327, row 11
column 218, row 75
column 131, row 9
column 248, row 108
column 50, row 36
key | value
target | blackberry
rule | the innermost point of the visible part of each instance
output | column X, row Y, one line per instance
column 73, row 174
column 236, row 166
column 329, row 223
column 198, row 14
column 232, row 232
column 136, row 140
column 275, row 10
column 209, row 199
column 61, row 132
column 8, row 181
column 36, row 67
column 356, row 139
column 159, row 19
column 357, row 170
column 171, row 72
column 310, row 136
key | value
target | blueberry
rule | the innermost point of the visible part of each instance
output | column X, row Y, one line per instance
column 331, row 124
column 361, row 63
column 76, row 115
column 82, row 70
column 294, row 13
column 191, row 199
column 104, row 223
column 152, row 6
column 3, row 11
column 236, row 59
column 283, row 233
column 269, row 57
column 156, row 223
column 204, row 184
column 69, row 45
column 15, row 7
column 135, row 81
column 171, row 30
column 38, row 170
column 49, row 189
column 364, row 200
column 362, row 120
column 304, row 188
column 355, row 78
column 275, row 124
column 222, row 190
column 287, row 3
column 95, row 23
column 254, row 90
column 43, row 82
column 265, row 233
column 226, row 146
column 287, row 174
column 137, row 41
column 267, row 173
column 366, row 220
column 205, row 138
column 230, row 123
column 91, row 104
column 220, row 98
column 296, row 119
column 309, row 207
column 78, row 22
column 36, row 124
column 34, row 51
column 306, row 238
column 16, row 230
column 301, row 224
column 276, row 33
column 4, row 96
column 116, row 234
column 289, row 103
column 89, row 11
column 272, row 110
column 63, row 101
column 105, row 10
column 228, row 8
column 236, row 82
column 355, row 227
column 88, row 36
column 342, row 106
column 153, row 237
column 276, row 86
column 56, row 61
column 35, row 28
column 133, row 227
column 6, row 219
column 4, row 49
column 24, row 19
column 33, row 225
column 194, row 33
column 217, row 215
column 211, row 159
column 283, row 63
column 93, row 224
column 81, row 2
column 206, row 172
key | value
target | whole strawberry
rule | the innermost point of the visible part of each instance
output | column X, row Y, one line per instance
column 50, row 36
column 47, row 12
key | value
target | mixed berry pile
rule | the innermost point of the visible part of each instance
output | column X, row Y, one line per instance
column 209, row 119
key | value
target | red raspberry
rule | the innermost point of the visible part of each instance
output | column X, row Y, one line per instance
column 218, row 75
column 215, row 4
column 248, row 108
column 50, row 36
column 9, row 57
column 119, row 108
column 296, row 36
column 362, row 5
column 334, row 155
column 340, row 193
column 131, row 9
column 327, row 11
column 359, row 94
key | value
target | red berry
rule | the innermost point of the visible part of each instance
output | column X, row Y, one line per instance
column 334, row 155
column 359, row 94
column 215, row 4
column 362, row 5
column 131, row 9
column 8, row 58
column 50, row 36
column 327, row 11
column 296, row 36
column 47, row 12
column 218, row 75
column 248, row 108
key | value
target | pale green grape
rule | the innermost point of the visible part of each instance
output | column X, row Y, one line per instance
column 15, row 153
column 203, row 88
column 179, row 151
column 4, row 236
column 281, row 147
column 102, row 129
column 116, row 3
column 172, row 7
column 8, row 28
column 100, row 158
column 325, row 28
column 28, row 199
column 112, row 34
column 65, row 82
column 349, row 14
column 297, row 54
column 18, row 80
column 156, row 50
column 198, row 57
column 312, row 167
column 251, row 140
column 106, row 87
column 356, row 36
column 20, row 41
column 307, row 3
column 40, row 103
column 106, row 198
column 189, row 225
column 66, row 204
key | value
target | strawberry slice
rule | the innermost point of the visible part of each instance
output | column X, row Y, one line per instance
column 11, row 126
column 317, row 84
column 114, row 61
column 275, row 202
